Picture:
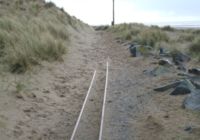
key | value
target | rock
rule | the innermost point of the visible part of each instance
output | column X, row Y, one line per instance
column 164, row 62
column 192, row 101
column 159, row 70
column 156, row 71
column 195, row 71
column 181, row 90
column 180, row 87
column 188, row 129
column 161, row 51
column 181, row 67
column 196, row 84
column 19, row 95
column 31, row 95
column 164, row 53
column 185, row 87
column 180, row 57
column 133, row 48
column 169, row 86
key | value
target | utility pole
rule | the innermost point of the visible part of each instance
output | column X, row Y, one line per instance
column 113, row 22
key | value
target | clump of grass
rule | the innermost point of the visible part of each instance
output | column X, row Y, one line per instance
column 49, row 5
column 40, row 34
column 19, row 87
column 168, row 28
column 101, row 27
column 140, row 33
column 27, row 45
column 151, row 37
column 196, row 32
column 186, row 37
column 195, row 48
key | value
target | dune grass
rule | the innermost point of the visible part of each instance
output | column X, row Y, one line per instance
column 195, row 48
column 31, row 32
column 167, row 37
column 139, row 33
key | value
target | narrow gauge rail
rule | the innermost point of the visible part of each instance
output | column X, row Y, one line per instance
column 103, row 106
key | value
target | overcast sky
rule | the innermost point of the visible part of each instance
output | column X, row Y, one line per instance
column 96, row 12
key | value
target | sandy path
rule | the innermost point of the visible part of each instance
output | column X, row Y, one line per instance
column 53, row 94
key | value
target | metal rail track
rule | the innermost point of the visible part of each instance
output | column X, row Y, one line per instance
column 75, row 130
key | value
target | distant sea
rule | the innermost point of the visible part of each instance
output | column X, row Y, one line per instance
column 186, row 26
column 180, row 25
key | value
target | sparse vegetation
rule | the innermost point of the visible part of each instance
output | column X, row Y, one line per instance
column 139, row 33
column 166, row 37
column 195, row 48
column 19, row 87
column 168, row 28
column 32, row 31
column 186, row 37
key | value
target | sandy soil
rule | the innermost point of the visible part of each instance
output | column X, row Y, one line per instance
column 135, row 111
column 44, row 103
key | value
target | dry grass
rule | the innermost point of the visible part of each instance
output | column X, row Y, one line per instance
column 140, row 33
column 32, row 31
column 195, row 48
column 172, row 39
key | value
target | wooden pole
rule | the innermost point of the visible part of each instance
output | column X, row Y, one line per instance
column 113, row 22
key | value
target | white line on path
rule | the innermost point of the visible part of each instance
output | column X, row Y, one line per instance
column 104, row 103
column 85, row 101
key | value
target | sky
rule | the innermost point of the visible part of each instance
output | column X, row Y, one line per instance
column 159, row 12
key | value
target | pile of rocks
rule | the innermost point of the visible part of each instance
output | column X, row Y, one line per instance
column 175, row 61
column 190, row 84
column 168, row 62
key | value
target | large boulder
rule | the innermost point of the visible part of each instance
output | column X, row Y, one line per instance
column 192, row 101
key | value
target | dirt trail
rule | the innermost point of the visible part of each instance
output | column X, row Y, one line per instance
column 48, row 105
column 52, row 96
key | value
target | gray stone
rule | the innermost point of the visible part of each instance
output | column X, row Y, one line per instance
column 188, row 129
column 181, row 90
column 161, row 51
column 159, row 70
column 195, row 71
column 133, row 48
column 167, row 87
column 196, row 84
column 164, row 62
column 180, row 87
column 179, row 57
column 192, row 101
column 182, row 67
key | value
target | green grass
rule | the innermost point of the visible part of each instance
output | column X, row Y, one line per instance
column 186, row 37
column 167, row 37
column 140, row 33
column 195, row 48
column 24, row 43
column 168, row 28
column 31, row 32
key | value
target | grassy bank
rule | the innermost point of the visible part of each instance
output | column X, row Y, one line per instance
column 32, row 31
column 167, row 37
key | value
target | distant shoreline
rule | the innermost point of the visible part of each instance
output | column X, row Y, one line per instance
column 186, row 26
